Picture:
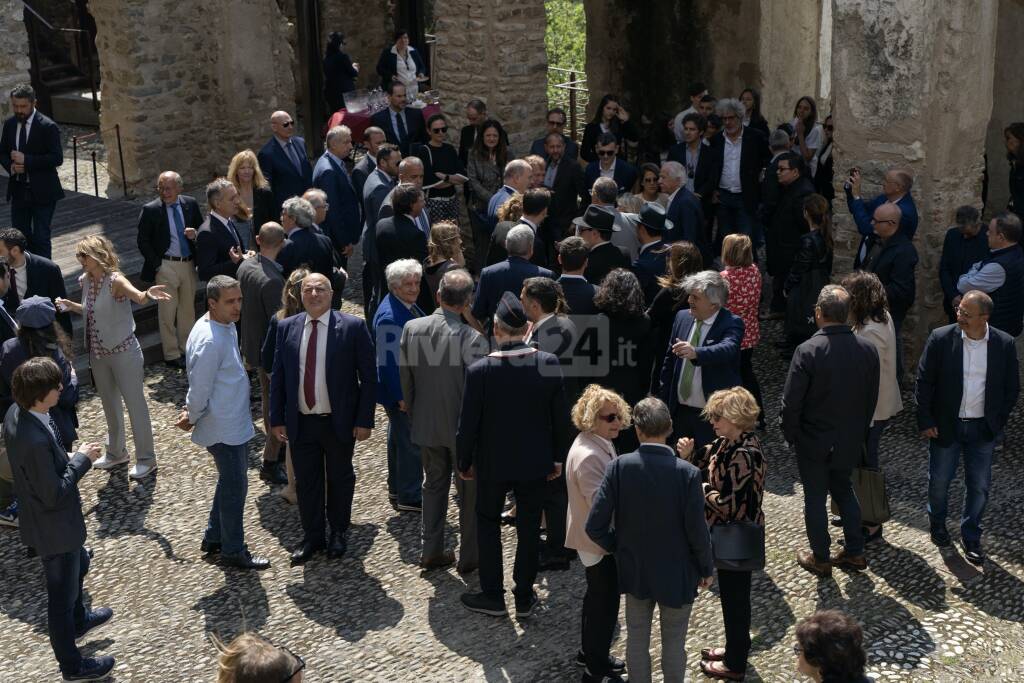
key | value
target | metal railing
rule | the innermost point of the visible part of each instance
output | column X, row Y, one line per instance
column 83, row 53
column 95, row 177
column 571, row 95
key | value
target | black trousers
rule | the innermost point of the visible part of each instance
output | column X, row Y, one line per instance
column 600, row 612
column 490, row 499
column 819, row 481
column 556, row 502
column 734, row 590
column 687, row 422
column 316, row 449
column 778, row 303
column 748, row 377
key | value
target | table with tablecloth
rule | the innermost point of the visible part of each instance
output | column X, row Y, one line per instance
column 359, row 121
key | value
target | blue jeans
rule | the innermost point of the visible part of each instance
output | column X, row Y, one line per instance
column 972, row 440
column 405, row 465
column 34, row 222
column 65, row 612
column 225, row 523
column 732, row 216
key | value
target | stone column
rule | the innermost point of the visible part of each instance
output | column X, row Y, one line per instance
column 1007, row 100
column 494, row 50
column 788, row 53
column 14, row 59
column 912, row 88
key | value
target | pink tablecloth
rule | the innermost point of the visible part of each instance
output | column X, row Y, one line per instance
column 358, row 122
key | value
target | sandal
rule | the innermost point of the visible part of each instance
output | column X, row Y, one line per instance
column 714, row 669
column 713, row 654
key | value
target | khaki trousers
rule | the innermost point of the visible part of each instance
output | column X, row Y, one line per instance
column 177, row 315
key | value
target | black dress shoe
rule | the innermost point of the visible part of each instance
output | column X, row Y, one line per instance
column 245, row 560
column 209, row 547
column 305, row 551
column 940, row 537
column 615, row 665
column 836, row 520
column 554, row 563
column 974, row 554
column 337, row 547
column 273, row 473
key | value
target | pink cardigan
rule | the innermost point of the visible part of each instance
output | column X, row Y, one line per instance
column 584, row 471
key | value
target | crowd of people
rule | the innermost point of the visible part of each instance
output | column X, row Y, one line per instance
column 617, row 305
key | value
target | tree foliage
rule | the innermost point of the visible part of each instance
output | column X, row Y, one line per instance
column 565, row 42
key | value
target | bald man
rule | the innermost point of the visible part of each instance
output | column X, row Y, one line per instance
column 283, row 160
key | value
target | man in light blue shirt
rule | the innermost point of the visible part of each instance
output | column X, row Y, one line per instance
column 217, row 412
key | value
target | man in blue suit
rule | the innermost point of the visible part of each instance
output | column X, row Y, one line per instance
column 283, row 160
column 896, row 187
column 650, row 224
column 322, row 392
column 402, row 126
column 684, row 211
column 703, row 356
column 31, row 151
column 609, row 165
column 343, row 224
column 507, row 276
column 516, row 179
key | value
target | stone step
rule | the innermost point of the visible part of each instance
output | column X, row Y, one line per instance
column 74, row 105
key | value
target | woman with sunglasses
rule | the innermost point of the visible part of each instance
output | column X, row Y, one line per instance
column 443, row 171
column 648, row 189
column 599, row 415
column 733, row 469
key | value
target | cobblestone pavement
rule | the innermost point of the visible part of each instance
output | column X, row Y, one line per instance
column 374, row 616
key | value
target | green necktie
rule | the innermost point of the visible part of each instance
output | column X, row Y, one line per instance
column 686, row 381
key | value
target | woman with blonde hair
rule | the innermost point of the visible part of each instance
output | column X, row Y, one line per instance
column 115, row 355
column 599, row 415
column 444, row 253
column 251, row 658
column 254, row 191
column 744, row 280
column 509, row 214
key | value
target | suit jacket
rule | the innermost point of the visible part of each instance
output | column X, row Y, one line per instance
column 387, row 65
column 568, row 199
column 496, row 252
column 830, row 395
column 862, row 213
column 360, row 172
column 649, row 266
column 687, row 218
column 46, row 485
column 786, row 226
column 624, row 175
column 306, row 246
column 558, row 335
column 285, row 180
column 677, row 152
column 507, row 276
column 513, row 375
column 579, row 295
column 718, row 357
column 894, row 265
column 372, row 205
column 631, row 354
column 44, row 152
column 64, row 414
column 572, row 150
column 398, row 237
column 585, row 465
column 754, row 156
column 262, row 282
column 343, row 223
column 43, row 278
column 603, row 259
column 388, row 323
column 351, row 375
column 415, row 128
column 958, row 255
column 214, row 240
column 154, row 237
column 432, row 389
column 940, row 382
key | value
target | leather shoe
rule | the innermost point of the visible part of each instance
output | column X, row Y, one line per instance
column 245, row 560
column 807, row 560
column 940, row 537
column 305, row 551
column 337, row 547
column 209, row 547
column 439, row 561
column 974, row 554
column 843, row 560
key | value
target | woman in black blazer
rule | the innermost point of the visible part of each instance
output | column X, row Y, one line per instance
column 254, row 190
column 413, row 66
column 610, row 117
column 751, row 100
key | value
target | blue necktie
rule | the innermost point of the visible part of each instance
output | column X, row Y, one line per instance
column 179, row 224
column 293, row 156
column 234, row 233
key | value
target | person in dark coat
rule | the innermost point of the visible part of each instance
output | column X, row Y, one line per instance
column 579, row 294
column 507, row 276
column 530, row 210
column 402, row 125
column 387, row 63
column 786, row 224
column 893, row 258
column 343, row 222
column 608, row 164
column 304, row 246
column 8, row 325
column 896, row 186
column 650, row 224
column 34, row 275
column 808, row 273
column 965, row 244
column 373, row 137
column 284, row 161
column 568, row 191
column 399, row 235
column 609, row 117
column 339, row 73
column 683, row 260
column 556, row 120
column 827, row 407
column 1014, row 137
column 825, row 173
column 595, row 226
column 501, row 457
column 1000, row 274
column 219, row 246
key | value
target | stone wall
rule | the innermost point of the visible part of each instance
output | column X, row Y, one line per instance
column 14, row 60
column 788, row 57
column 193, row 88
column 368, row 26
column 1008, row 100
column 494, row 50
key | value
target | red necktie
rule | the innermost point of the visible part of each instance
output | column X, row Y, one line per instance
column 309, row 379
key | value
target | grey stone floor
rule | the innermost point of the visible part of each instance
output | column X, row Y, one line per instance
column 374, row 616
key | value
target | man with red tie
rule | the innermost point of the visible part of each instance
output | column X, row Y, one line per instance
column 322, row 394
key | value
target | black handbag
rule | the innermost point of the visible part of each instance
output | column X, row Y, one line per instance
column 738, row 546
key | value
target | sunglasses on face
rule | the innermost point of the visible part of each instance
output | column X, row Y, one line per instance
column 609, row 418
column 287, row 124
column 556, row 123
column 442, row 129
column 606, row 153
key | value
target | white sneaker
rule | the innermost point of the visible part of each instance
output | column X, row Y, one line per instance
column 108, row 461
column 141, row 470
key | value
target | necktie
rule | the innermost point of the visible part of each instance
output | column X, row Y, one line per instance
column 234, row 233
column 686, row 381
column 309, row 379
column 12, row 299
column 56, row 433
column 179, row 224
column 423, row 223
column 293, row 156
column 400, row 123
column 549, row 176
column 417, row 311
column 22, row 136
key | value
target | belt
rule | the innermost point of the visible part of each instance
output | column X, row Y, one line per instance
column 970, row 419
column 318, row 415
column 178, row 259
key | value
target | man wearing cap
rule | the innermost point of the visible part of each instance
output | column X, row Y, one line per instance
column 649, row 265
column 509, row 275
column 596, row 227
column 501, row 457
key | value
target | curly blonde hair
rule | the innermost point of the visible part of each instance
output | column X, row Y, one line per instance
column 512, row 209
column 736, row 405
column 251, row 657
column 101, row 249
column 585, row 412
column 444, row 241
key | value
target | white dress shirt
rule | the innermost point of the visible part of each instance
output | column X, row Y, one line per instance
column 45, row 419
column 607, row 172
column 972, row 402
column 536, row 326
column 323, row 402
column 20, row 278
column 696, row 399
column 730, row 180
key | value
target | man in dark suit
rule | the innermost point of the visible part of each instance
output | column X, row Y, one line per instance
column 556, row 125
column 507, row 276
column 46, row 484
column 378, row 186
column 827, row 407
column 166, row 239
column 786, row 223
column 372, row 139
column 967, row 385
column 402, row 125
column 579, row 294
column 595, row 226
column 703, row 356
column 476, row 114
column 342, row 224
column 650, row 224
column 31, row 151
column 568, row 194
column 779, row 143
column 535, row 212
column 30, row 274
column 403, row 234
column 322, row 393
column 304, row 245
column 965, row 244
column 608, row 165
column 684, row 210
column 219, row 247
column 283, row 160
column 500, row 457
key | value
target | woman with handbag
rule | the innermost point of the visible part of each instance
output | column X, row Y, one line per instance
column 733, row 470
column 811, row 270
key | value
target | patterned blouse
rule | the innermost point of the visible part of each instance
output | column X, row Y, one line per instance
column 96, row 349
column 744, row 300
column 733, row 477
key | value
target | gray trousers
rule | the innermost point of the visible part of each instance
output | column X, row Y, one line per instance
column 438, row 466
column 674, row 624
column 119, row 376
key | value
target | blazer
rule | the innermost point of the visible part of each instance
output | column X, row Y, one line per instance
column 387, row 64
column 883, row 337
column 306, row 246
column 718, row 357
column 360, row 172
column 372, row 204
column 572, row 150
column 603, row 259
column 43, row 278
column 214, row 240
column 521, row 445
column 262, row 282
column 415, row 127
column 624, row 175
column 45, row 484
column 579, row 294
column 496, row 252
column 830, row 396
column 351, row 375
column 558, row 335
column 64, row 414
column 687, row 218
column 940, row 382
column 568, row 199
column 958, row 255
column 44, row 152
column 343, row 223
column 650, row 264
column 862, row 213
column 388, row 322
column 433, row 390
column 894, row 265
column 631, row 354
column 589, row 457
column 786, row 225
column 677, row 152
column 592, row 131
column 754, row 156
column 398, row 237
column 507, row 276
column 154, row 237
column 280, row 172
column 649, row 513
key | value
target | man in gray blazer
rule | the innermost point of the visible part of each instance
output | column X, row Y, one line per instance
column 262, row 281
column 46, row 484
column 435, row 351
